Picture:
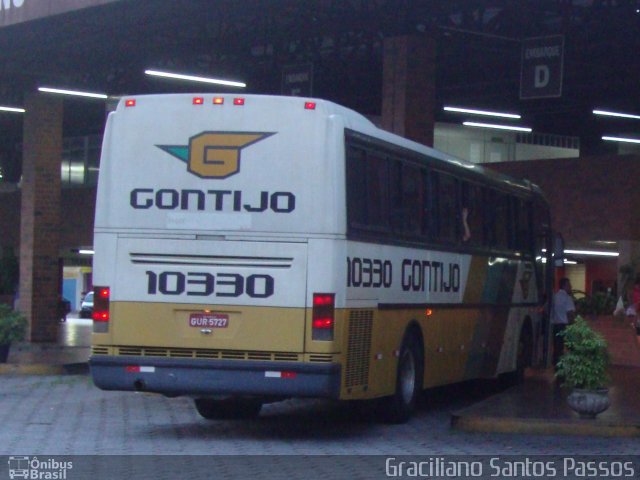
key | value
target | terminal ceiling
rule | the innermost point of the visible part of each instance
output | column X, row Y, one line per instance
column 478, row 45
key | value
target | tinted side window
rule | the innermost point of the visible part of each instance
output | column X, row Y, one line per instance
column 377, row 191
column 522, row 222
column 367, row 190
column 497, row 219
column 405, row 186
column 472, row 201
column 445, row 202
column 502, row 223
column 356, row 187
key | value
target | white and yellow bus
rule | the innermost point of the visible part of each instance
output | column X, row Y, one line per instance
column 249, row 249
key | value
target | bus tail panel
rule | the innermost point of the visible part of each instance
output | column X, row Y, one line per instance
column 208, row 294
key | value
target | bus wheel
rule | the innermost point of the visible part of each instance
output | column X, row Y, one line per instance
column 232, row 408
column 401, row 405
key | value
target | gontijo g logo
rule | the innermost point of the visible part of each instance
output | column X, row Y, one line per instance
column 214, row 154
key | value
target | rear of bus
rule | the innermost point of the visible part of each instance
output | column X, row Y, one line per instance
column 211, row 212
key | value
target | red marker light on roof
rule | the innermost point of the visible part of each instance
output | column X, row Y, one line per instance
column 198, row 100
column 238, row 101
column 310, row 105
column 130, row 103
column 218, row 100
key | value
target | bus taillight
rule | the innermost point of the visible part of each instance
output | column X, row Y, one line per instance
column 323, row 318
column 101, row 297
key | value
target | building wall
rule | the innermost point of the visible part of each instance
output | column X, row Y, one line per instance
column 592, row 198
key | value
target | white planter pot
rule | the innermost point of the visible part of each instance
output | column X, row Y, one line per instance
column 589, row 403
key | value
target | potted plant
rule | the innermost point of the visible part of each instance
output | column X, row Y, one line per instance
column 13, row 327
column 583, row 368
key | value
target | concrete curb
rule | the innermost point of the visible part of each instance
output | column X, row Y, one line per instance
column 44, row 369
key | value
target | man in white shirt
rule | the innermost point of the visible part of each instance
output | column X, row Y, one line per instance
column 562, row 314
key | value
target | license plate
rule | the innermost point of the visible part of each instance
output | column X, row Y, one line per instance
column 208, row 320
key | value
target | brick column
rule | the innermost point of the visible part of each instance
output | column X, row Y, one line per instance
column 408, row 87
column 40, row 216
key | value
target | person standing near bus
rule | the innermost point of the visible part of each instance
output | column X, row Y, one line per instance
column 634, row 306
column 562, row 314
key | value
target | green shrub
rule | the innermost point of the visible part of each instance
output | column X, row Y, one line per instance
column 599, row 303
column 13, row 325
column 585, row 361
column 9, row 269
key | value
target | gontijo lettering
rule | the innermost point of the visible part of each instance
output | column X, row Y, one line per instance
column 211, row 200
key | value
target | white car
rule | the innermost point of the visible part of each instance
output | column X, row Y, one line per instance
column 86, row 307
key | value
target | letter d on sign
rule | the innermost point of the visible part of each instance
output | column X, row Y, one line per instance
column 542, row 76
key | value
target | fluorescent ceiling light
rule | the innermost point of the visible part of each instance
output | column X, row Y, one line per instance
column 566, row 262
column 594, row 253
column 482, row 112
column 73, row 92
column 616, row 114
column 86, row 252
column 193, row 78
column 622, row 139
column 498, row 127
column 12, row 109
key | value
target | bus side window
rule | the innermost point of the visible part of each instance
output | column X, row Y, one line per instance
column 405, row 198
column 489, row 219
column 497, row 219
column 377, row 191
column 472, row 203
column 395, row 195
column 356, row 188
column 411, row 192
column 427, row 213
column 522, row 223
column 445, row 200
column 502, row 221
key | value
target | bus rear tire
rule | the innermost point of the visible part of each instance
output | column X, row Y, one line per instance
column 400, row 406
column 228, row 409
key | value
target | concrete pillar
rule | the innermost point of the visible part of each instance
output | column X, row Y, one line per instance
column 408, row 87
column 40, row 271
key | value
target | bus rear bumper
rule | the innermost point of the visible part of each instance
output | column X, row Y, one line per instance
column 215, row 377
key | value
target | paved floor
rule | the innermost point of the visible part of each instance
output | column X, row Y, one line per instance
column 67, row 415
column 73, row 347
column 539, row 406
column 52, row 415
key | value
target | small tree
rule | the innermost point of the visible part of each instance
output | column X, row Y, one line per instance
column 9, row 269
column 13, row 325
column 584, row 364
